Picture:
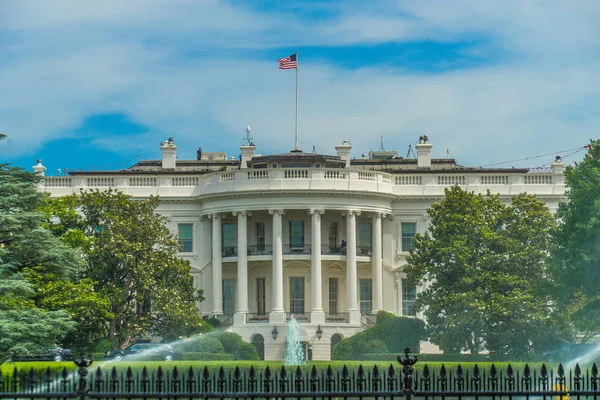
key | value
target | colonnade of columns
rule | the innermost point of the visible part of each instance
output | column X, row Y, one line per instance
column 277, row 314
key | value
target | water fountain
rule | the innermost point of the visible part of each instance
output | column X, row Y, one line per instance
column 294, row 348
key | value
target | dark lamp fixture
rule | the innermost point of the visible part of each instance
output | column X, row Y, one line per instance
column 319, row 332
column 275, row 332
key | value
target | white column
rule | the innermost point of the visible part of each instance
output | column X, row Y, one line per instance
column 316, row 314
column 377, row 272
column 242, row 264
column 352, row 298
column 217, row 265
column 277, row 314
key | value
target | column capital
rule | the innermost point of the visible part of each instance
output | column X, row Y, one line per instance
column 202, row 218
column 383, row 215
column 274, row 211
column 214, row 216
column 316, row 211
column 243, row 213
column 351, row 212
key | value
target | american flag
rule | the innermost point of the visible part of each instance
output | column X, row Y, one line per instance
column 288, row 62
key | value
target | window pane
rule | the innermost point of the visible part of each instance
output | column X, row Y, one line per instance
column 297, row 233
column 260, row 296
column 185, row 236
column 366, row 296
column 228, row 236
column 364, row 235
column 409, row 230
column 297, row 295
column 228, row 296
column 333, row 296
column 333, row 241
column 260, row 236
column 409, row 295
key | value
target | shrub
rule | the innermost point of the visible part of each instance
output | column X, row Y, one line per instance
column 203, row 344
column 212, row 321
column 399, row 332
column 234, row 345
column 391, row 334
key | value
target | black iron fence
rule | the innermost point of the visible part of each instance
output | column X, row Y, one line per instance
column 295, row 382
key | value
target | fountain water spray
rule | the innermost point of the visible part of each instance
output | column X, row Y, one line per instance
column 294, row 348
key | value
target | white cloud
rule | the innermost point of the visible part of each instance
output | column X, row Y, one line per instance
column 158, row 64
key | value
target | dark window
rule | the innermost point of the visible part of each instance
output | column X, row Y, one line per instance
column 296, row 234
column 409, row 295
column 366, row 296
column 260, row 296
column 297, row 295
column 409, row 230
column 333, row 296
column 186, row 238
column 228, row 244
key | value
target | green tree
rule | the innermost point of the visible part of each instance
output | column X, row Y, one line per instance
column 131, row 257
column 483, row 266
column 576, row 251
column 26, row 246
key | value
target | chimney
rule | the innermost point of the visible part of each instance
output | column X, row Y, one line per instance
column 39, row 169
column 169, row 151
column 558, row 171
column 423, row 152
column 343, row 151
column 247, row 149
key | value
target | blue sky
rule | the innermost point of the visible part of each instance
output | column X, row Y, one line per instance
column 100, row 84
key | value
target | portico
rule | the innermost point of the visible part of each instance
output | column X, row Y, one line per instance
column 279, row 253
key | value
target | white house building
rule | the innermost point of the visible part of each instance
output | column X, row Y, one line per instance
column 323, row 237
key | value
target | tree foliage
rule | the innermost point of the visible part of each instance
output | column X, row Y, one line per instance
column 576, row 251
column 26, row 246
column 483, row 267
column 130, row 256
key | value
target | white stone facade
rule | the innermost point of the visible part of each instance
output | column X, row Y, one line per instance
column 264, row 237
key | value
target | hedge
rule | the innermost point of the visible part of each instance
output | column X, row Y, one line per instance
column 202, row 344
column 195, row 356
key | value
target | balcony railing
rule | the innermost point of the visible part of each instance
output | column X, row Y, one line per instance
column 288, row 249
column 406, row 183
column 336, row 317
column 257, row 318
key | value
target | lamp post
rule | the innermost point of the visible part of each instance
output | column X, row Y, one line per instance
column 275, row 332
column 319, row 332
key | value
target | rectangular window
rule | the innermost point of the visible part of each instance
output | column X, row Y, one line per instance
column 409, row 230
column 228, row 296
column 333, row 296
column 333, row 237
column 185, row 235
column 260, row 296
column 296, row 234
column 260, row 237
column 366, row 296
column 409, row 295
column 297, row 295
column 228, row 236
column 364, row 239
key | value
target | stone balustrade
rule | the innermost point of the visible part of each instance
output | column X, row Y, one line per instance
column 405, row 184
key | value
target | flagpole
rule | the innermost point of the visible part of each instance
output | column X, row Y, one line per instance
column 296, row 148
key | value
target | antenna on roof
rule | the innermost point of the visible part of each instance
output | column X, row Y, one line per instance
column 249, row 138
column 314, row 150
column 410, row 151
column 381, row 147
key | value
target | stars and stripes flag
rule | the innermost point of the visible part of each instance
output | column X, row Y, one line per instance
column 290, row 62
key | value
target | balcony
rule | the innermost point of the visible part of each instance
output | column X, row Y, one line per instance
column 288, row 249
